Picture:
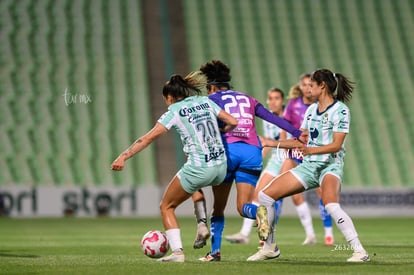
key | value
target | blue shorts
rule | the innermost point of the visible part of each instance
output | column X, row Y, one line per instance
column 244, row 163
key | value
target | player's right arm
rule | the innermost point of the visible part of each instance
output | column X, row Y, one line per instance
column 139, row 145
column 285, row 144
column 229, row 120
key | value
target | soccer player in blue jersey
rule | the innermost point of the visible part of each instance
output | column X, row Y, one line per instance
column 328, row 122
column 243, row 149
column 275, row 100
column 195, row 119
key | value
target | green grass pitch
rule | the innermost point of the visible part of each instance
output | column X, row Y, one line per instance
column 111, row 246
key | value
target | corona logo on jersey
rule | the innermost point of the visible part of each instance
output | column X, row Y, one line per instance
column 185, row 111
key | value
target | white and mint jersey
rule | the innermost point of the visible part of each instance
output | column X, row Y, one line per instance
column 195, row 119
column 272, row 131
column 322, row 126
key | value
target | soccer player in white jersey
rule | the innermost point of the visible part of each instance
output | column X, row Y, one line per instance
column 195, row 119
column 328, row 122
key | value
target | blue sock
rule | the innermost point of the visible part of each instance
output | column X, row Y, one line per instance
column 278, row 209
column 249, row 211
column 216, row 226
column 326, row 218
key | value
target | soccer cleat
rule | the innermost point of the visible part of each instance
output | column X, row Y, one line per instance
column 176, row 256
column 359, row 257
column 310, row 240
column 263, row 227
column 329, row 240
column 237, row 238
column 211, row 257
column 263, row 255
column 202, row 236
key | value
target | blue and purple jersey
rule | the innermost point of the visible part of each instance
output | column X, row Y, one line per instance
column 244, row 108
column 295, row 111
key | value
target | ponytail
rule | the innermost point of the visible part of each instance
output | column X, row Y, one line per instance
column 344, row 89
column 334, row 82
column 180, row 88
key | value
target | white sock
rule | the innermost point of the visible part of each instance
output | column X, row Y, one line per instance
column 265, row 199
column 247, row 227
column 306, row 218
column 247, row 224
column 345, row 225
column 200, row 211
column 328, row 231
column 174, row 239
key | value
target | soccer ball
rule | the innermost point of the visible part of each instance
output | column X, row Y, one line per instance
column 154, row 244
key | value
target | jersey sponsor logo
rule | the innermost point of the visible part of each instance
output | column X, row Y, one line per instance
column 240, row 132
column 185, row 111
column 245, row 121
column 213, row 155
column 314, row 133
column 198, row 117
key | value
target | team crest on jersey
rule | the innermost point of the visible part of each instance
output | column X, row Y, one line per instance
column 325, row 118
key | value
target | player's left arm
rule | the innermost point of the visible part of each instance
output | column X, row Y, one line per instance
column 139, row 145
column 285, row 144
column 265, row 114
column 334, row 147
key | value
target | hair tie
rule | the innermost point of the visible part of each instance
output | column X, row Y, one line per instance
column 218, row 82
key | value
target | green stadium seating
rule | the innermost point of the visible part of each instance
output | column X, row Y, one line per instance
column 92, row 48
column 96, row 48
column 270, row 43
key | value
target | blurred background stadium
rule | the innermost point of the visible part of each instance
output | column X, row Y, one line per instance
column 80, row 80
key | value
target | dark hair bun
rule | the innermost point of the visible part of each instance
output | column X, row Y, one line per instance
column 216, row 71
column 176, row 78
